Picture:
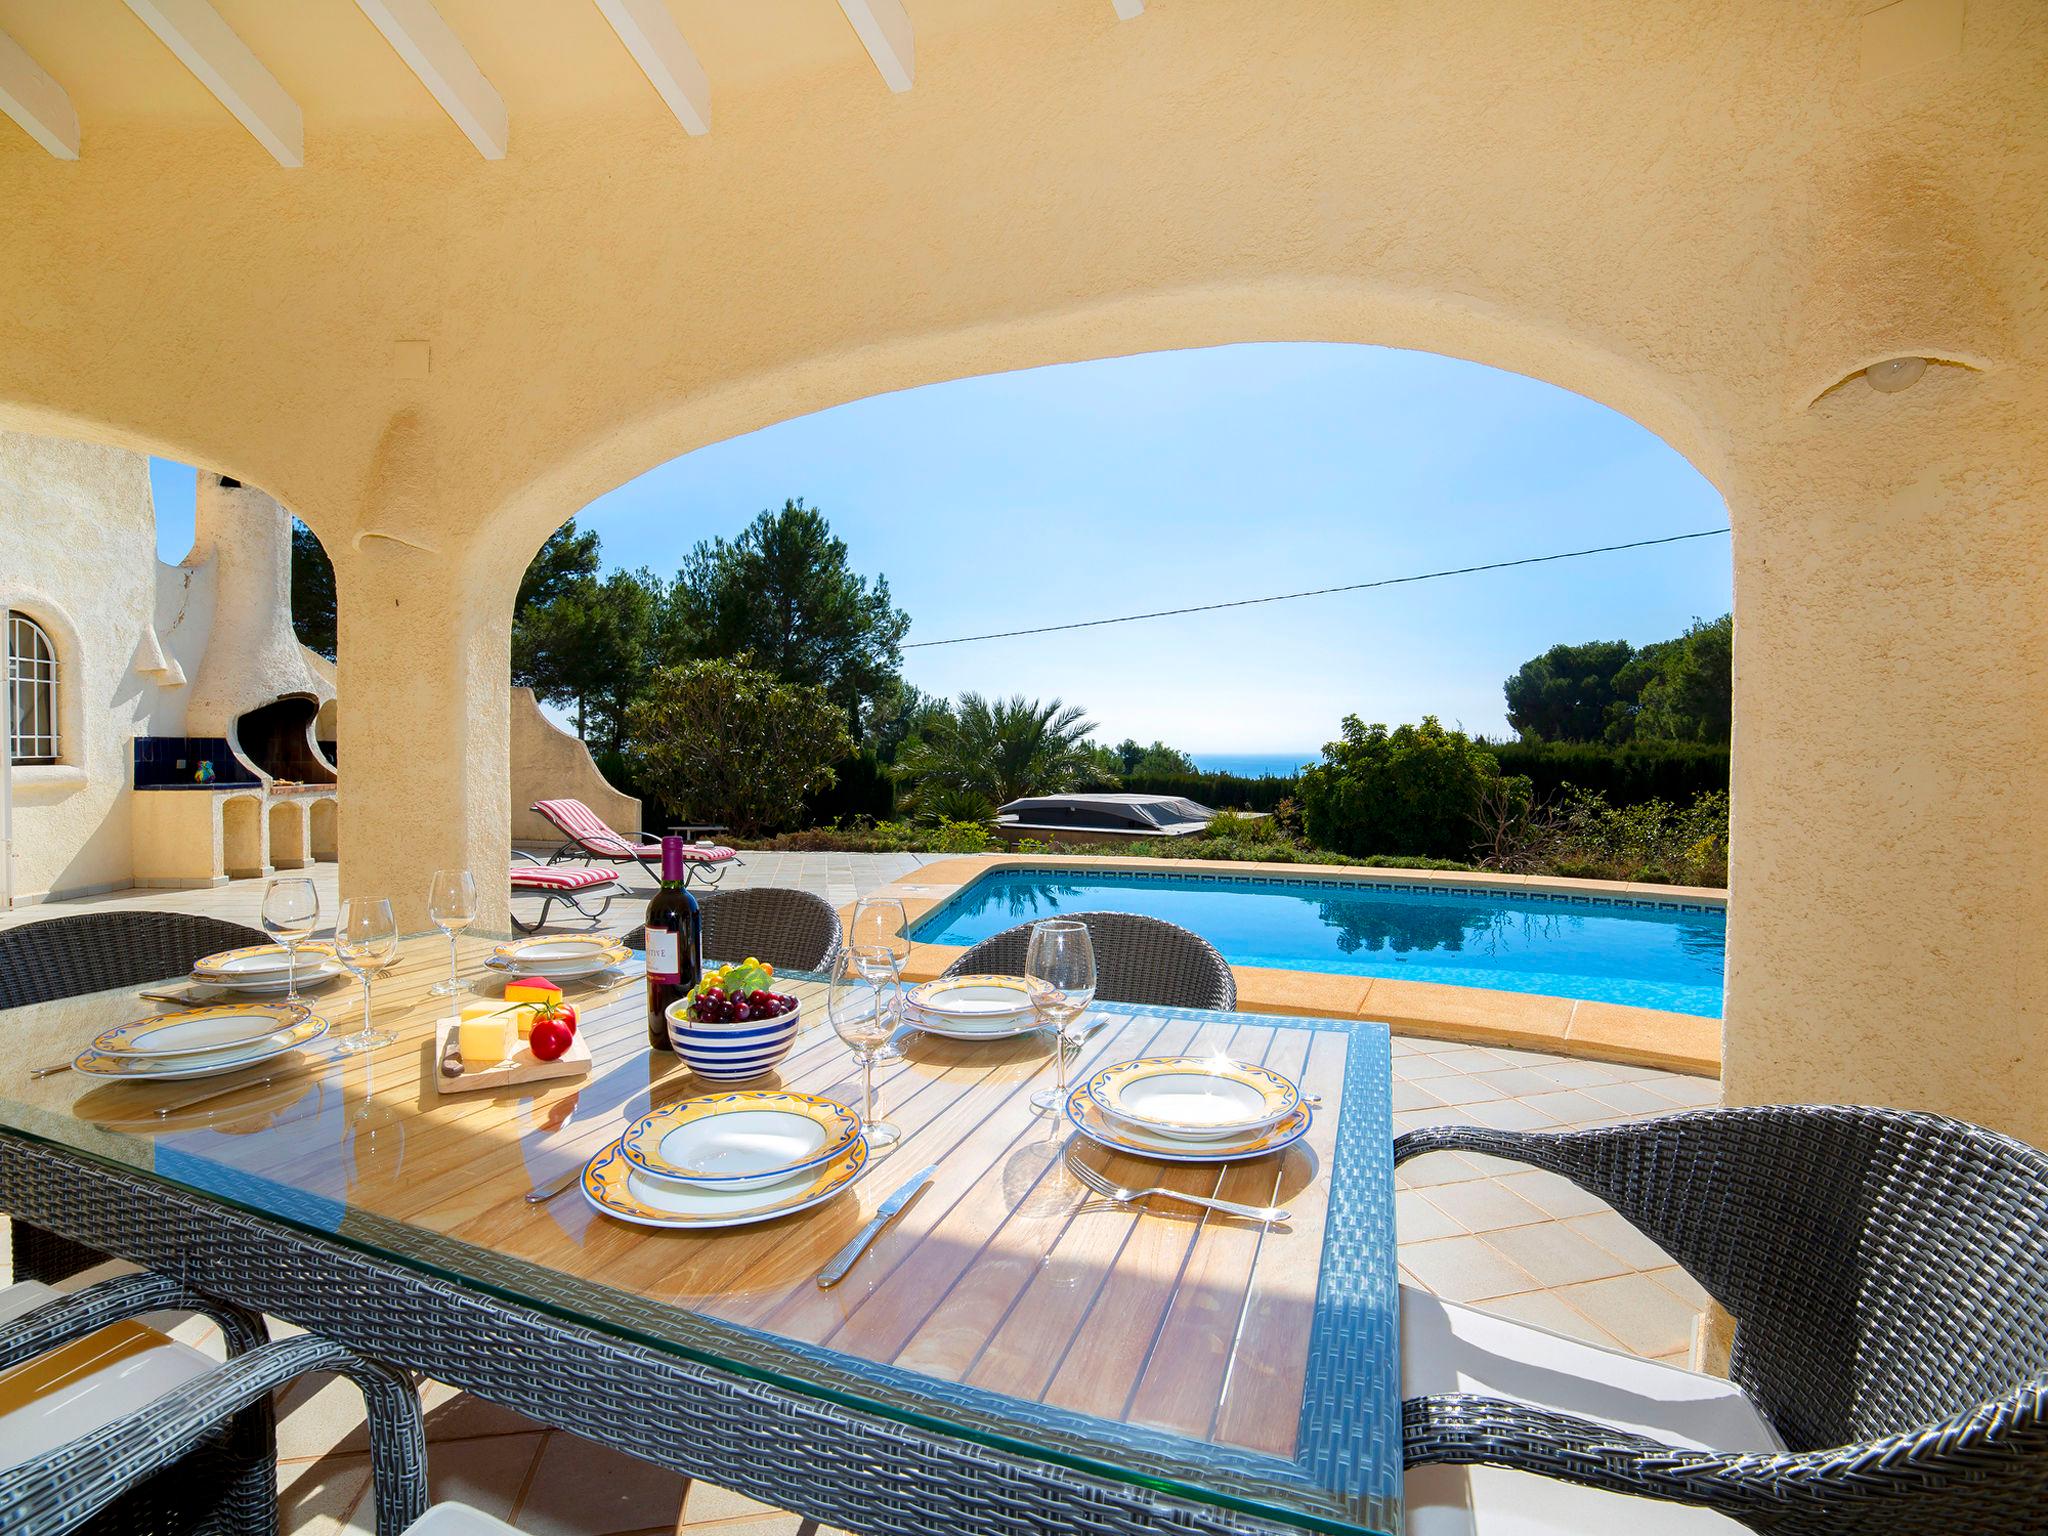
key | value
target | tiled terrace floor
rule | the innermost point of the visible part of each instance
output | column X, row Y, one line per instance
column 1519, row 1242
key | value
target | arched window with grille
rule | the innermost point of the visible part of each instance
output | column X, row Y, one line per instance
column 31, row 691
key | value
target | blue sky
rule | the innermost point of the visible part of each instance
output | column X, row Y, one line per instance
column 1100, row 488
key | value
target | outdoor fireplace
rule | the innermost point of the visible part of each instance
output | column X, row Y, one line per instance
column 276, row 739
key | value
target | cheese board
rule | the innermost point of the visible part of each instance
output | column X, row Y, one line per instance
column 521, row 1066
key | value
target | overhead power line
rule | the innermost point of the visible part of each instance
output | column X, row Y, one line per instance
column 1356, row 586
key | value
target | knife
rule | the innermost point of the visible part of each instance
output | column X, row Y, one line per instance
column 842, row 1261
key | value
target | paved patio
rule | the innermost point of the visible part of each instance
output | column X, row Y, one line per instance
column 1523, row 1243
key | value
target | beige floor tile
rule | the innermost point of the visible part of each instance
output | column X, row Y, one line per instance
column 1483, row 1205
column 1552, row 1193
column 705, row 1502
column 1628, row 1098
column 1466, row 1269
column 1619, row 1238
column 1434, row 1168
column 1416, row 1220
column 1464, row 1088
column 1513, row 1082
column 1520, row 1058
column 1579, row 1074
column 319, row 1415
column 583, row 1489
column 1555, row 1254
column 1493, row 1167
column 1511, row 1115
column 1543, row 1309
column 1422, row 1068
column 1645, row 1317
column 1475, row 1058
column 315, row 1498
column 1414, row 1096
column 1568, row 1105
column 488, row 1474
column 455, row 1415
column 1683, row 1286
column 1691, row 1092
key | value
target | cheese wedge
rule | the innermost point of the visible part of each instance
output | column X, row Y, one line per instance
column 486, row 1042
column 521, row 1015
column 533, row 989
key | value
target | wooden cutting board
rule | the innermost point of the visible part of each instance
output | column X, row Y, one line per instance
column 522, row 1066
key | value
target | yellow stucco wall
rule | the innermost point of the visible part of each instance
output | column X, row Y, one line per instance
column 550, row 764
column 1706, row 217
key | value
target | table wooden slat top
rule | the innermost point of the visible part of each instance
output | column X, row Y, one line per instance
column 1254, row 1364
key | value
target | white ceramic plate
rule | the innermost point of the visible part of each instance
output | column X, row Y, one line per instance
column 968, row 999
column 614, row 1186
column 1090, row 1121
column 1193, row 1098
column 740, row 1140
column 314, row 971
column 195, row 1031
column 258, row 961
column 1003, row 1028
column 200, row 1064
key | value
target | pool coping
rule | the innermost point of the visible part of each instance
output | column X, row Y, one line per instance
column 1615, row 1032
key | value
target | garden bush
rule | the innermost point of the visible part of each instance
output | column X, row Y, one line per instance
column 1414, row 790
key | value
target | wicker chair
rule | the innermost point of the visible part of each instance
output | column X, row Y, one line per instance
column 1888, row 1275
column 791, row 930
column 165, row 1440
column 96, row 952
column 1137, row 960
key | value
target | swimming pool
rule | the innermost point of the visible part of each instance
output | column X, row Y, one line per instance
column 1648, row 953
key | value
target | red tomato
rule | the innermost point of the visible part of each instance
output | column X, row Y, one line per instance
column 565, row 1014
column 549, row 1040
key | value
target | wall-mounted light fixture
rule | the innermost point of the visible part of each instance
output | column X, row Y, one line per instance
column 1895, row 374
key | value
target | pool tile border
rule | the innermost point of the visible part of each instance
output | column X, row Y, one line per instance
column 1600, row 1031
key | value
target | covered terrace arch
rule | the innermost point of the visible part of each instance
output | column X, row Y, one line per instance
column 434, row 358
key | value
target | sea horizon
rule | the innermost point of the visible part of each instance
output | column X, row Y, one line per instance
column 1253, row 765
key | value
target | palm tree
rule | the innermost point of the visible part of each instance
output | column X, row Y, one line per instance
column 982, row 753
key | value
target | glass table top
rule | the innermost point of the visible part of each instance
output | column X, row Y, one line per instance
column 1249, row 1366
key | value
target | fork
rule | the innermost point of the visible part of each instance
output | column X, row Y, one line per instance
column 1101, row 1184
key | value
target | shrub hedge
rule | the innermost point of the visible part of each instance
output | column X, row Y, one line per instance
column 1675, row 771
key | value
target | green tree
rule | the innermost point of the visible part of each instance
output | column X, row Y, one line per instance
column 983, row 753
column 1568, row 692
column 1415, row 791
column 1158, row 759
column 785, row 593
column 314, row 611
column 1690, row 692
column 590, row 648
column 728, row 741
column 567, row 559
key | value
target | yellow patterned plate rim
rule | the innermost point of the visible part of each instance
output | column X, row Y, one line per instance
column 923, row 994
column 604, row 1186
column 1090, row 1121
column 1279, row 1095
column 91, row 1063
column 512, row 953
column 210, row 965
column 642, row 1143
column 130, row 1039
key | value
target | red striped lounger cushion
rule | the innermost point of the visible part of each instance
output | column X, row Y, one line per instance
column 556, row 877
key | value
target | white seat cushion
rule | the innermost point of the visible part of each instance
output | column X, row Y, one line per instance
column 75, row 1390
column 1449, row 1348
column 458, row 1520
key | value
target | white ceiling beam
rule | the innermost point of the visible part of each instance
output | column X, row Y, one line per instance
column 651, row 36
column 208, row 47
column 38, row 103
column 1126, row 9
column 884, row 29
column 444, row 66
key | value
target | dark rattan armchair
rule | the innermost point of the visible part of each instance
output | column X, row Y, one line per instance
column 1137, row 960
column 202, row 1456
column 1888, row 1275
column 789, row 929
column 96, row 952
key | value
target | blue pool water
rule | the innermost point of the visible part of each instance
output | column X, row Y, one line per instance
column 1606, row 950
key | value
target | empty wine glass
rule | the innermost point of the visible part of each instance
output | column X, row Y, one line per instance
column 861, row 1016
column 1060, row 967
column 451, row 903
column 290, row 909
column 365, row 941
column 879, row 941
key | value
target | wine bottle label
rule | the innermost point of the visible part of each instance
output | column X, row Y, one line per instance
column 664, row 955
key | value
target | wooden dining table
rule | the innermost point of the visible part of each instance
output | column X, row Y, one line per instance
column 1013, row 1352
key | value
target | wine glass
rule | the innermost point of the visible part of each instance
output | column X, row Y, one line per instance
column 365, row 941
column 290, row 909
column 879, row 941
column 860, row 1013
column 1060, row 967
column 451, row 903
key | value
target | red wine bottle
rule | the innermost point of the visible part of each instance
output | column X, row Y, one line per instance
column 675, row 943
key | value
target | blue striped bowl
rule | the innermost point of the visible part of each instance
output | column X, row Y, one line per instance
column 731, row 1053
